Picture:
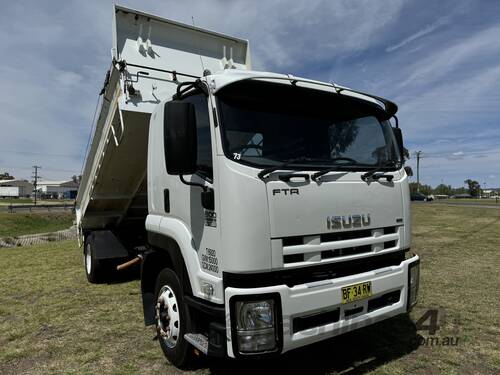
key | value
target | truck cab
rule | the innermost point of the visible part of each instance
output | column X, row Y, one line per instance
column 268, row 211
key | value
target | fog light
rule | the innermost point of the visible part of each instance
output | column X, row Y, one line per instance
column 413, row 283
column 255, row 326
column 207, row 288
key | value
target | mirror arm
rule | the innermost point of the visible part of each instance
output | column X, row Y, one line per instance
column 397, row 121
column 181, row 177
column 188, row 88
column 207, row 195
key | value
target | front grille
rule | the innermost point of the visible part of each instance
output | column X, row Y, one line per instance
column 302, row 275
column 293, row 241
column 330, row 237
column 302, row 250
column 384, row 300
column 302, row 323
column 389, row 244
column 354, row 311
column 389, row 230
column 293, row 258
column 327, row 254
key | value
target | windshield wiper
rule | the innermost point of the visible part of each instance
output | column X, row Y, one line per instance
column 371, row 174
column 335, row 167
column 266, row 171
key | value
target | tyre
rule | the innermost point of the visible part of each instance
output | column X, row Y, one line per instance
column 172, row 319
column 94, row 268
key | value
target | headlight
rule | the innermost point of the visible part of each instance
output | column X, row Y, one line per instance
column 413, row 283
column 255, row 326
column 255, row 315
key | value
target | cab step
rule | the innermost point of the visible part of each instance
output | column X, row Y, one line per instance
column 198, row 340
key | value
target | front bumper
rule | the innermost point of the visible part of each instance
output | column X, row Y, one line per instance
column 323, row 299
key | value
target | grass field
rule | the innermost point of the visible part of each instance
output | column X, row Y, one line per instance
column 28, row 201
column 15, row 201
column 53, row 321
column 19, row 223
column 482, row 201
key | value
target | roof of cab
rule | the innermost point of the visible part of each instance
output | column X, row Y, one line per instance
column 229, row 76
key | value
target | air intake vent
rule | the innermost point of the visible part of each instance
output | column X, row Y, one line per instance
column 347, row 251
column 323, row 247
column 384, row 300
column 389, row 244
column 293, row 258
column 390, row 230
column 330, row 237
column 302, row 323
column 293, row 241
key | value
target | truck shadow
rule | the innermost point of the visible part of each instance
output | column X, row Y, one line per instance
column 356, row 352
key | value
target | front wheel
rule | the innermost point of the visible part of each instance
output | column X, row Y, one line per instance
column 172, row 318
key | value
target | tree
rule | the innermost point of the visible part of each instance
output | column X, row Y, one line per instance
column 6, row 176
column 443, row 189
column 424, row 189
column 460, row 190
column 474, row 187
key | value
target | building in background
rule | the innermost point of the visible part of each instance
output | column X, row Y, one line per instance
column 58, row 189
column 490, row 193
column 15, row 188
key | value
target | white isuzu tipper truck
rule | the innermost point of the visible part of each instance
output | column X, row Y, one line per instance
column 268, row 211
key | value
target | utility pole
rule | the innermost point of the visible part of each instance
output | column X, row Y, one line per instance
column 36, row 177
column 418, row 170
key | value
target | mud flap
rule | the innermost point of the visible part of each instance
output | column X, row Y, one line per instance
column 107, row 246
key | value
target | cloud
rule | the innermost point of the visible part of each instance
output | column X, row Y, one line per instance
column 50, row 81
column 419, row 34
column 458, row 55
column 442, row 71
column 66, row 78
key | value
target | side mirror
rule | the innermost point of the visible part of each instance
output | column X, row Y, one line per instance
column 180, row 138
column 409, row 171
column 399, row 139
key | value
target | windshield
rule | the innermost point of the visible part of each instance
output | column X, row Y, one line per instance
column 265, row 124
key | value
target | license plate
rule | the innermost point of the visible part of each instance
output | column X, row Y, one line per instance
column 356, row 292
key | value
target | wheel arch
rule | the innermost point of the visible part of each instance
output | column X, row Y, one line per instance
column 164, row 253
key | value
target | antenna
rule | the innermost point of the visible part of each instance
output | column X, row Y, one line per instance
column 201, row 60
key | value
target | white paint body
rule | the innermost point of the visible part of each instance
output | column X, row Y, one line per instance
column 251, row 222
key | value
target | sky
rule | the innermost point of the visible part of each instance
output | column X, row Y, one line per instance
column 438, row 60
